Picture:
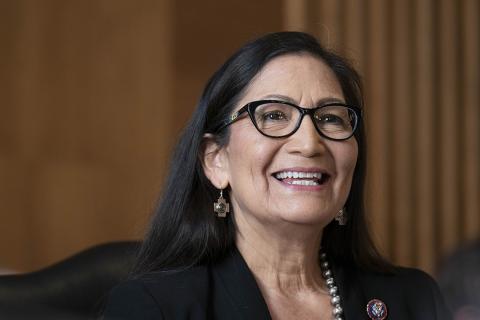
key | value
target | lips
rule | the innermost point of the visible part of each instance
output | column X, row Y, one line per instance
column 302, row 178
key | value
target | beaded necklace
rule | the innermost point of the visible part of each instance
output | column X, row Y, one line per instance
column 332, row 287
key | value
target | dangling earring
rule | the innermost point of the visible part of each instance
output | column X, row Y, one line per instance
column 341, row 217
column 221, row 207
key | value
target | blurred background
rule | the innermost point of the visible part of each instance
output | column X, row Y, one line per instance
column 93, row 95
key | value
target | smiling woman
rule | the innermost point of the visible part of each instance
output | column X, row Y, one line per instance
column 277, row 146
column 251, row 163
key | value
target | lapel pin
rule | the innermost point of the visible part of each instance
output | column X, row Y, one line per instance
column 377, row 309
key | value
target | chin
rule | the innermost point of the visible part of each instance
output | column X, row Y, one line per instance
column 313, row 219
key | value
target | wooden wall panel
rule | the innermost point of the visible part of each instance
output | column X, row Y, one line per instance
column 403, row 130
column 423, row 77
column 470, row 97
column 376, row 119
column 81, row 150
column 448, row 115
column 355, row 36
column 295, row 14
column 419, row 60
column 93, row 94
column 328, row 23
column 206, row 33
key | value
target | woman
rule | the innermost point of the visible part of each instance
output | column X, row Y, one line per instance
column 262, row 213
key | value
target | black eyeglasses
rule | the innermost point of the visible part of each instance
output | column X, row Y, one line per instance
column 279, row 119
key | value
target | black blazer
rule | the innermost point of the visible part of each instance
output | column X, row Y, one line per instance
column 228, row 290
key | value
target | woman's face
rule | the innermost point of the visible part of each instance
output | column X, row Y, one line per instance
column 254, row 163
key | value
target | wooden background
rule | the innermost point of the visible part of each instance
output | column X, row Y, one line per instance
column 420, row 63
column 93, row 94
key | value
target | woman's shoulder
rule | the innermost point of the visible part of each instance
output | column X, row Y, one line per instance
column 401, row 281
column 169, row 281
column 409, row 276
column 153, row 295
column 400, row 277
column 410, row 287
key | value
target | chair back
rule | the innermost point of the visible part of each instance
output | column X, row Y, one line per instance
column 70, row 289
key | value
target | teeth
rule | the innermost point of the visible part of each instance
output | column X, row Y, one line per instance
column 303, row 182
column 297, row 175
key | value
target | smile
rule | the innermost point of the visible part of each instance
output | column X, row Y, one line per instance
column 302, row 178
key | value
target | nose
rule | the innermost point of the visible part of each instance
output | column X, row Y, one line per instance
column 306, row 141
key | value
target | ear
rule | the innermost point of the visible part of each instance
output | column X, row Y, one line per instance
column 214, row 162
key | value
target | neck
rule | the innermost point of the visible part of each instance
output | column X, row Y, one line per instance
column 284, row 262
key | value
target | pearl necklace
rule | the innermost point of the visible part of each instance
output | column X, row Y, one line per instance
column 332, row 287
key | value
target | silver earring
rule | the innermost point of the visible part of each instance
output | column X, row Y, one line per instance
column 341, row 217
column 221, row 207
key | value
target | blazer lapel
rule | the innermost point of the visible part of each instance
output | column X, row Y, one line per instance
column 234, row 281
column 358, row 288
column 351, row 293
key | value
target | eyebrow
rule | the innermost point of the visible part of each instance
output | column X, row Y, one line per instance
column 291, row 100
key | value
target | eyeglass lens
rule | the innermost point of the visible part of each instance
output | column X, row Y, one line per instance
column 279, row 119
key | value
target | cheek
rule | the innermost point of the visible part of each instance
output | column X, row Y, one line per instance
column 249, row 156
column 240, row 159
column 347, row 158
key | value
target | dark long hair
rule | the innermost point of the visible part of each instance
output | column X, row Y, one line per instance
column 184, row 231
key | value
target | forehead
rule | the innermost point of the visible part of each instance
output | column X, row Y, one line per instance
column 302, row 77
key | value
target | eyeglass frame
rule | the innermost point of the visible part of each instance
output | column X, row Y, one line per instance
column 251, row 106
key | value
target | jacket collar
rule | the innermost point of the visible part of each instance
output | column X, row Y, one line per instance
column 351, row 292
column 240, row 286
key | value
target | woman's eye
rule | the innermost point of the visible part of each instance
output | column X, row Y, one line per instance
column 330, row 118
column 274, row 116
